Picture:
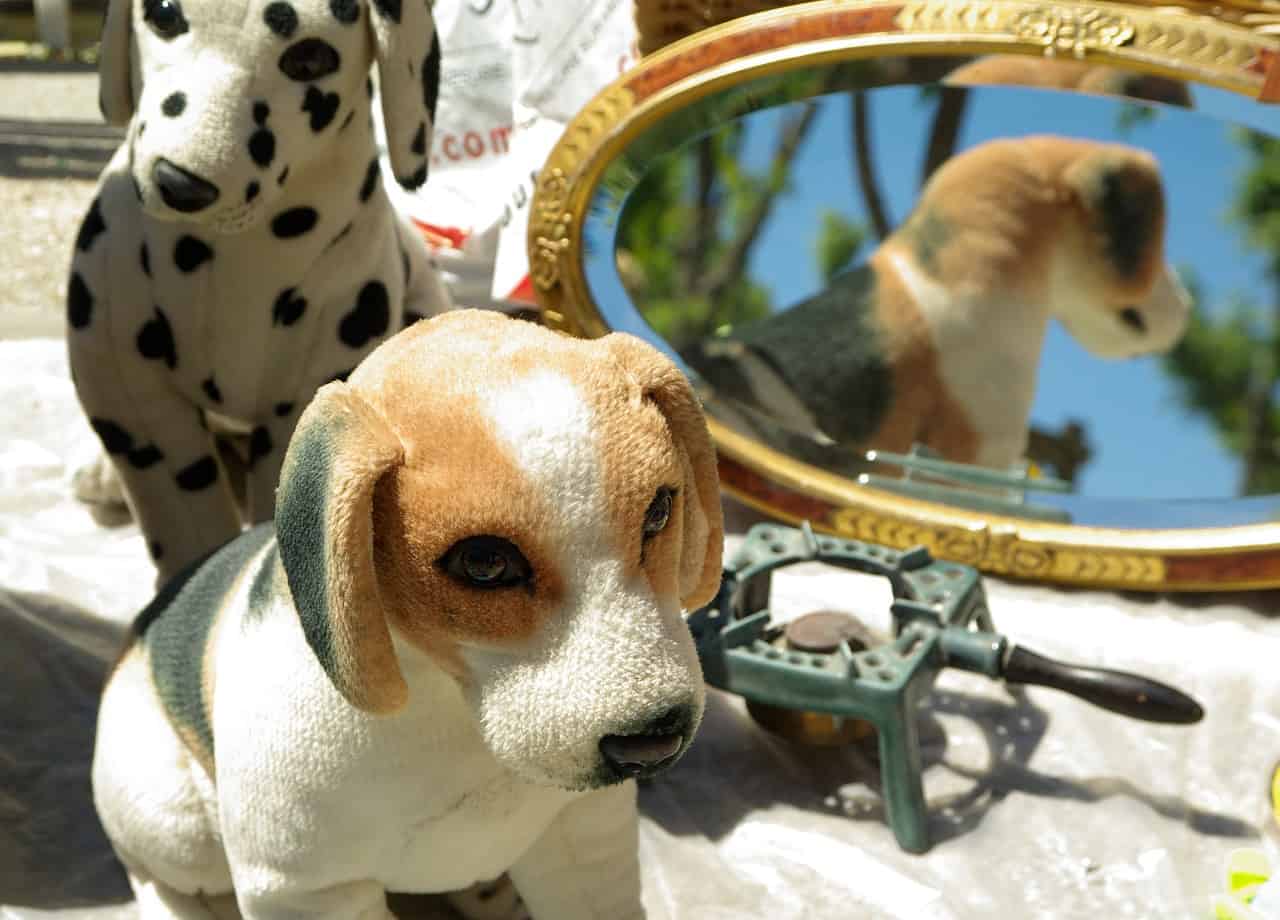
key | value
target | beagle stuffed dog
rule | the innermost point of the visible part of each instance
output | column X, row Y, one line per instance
column 937, row 339
column 240, row 250
column 449, row 655
column 1067, row 74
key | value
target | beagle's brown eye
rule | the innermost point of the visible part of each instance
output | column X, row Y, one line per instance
column 1133, row 319
column 659, row 512
column 487, row 562
column 309, row 59
column 165, row 17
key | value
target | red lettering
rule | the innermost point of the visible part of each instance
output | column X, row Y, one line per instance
column 499, row 139
column 473, row 144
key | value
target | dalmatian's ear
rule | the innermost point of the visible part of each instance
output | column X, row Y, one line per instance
column 702, row 546
column 340, row 450
column 115, row 64
column 408, row 57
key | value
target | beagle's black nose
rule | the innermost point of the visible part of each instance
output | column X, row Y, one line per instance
column 649, row 750
column 181, row 190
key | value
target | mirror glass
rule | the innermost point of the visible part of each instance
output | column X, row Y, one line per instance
column 1031, row 286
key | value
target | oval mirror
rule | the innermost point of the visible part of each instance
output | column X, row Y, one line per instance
column 1001, row 283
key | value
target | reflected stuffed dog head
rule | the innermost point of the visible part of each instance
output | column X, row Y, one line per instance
column 1075, row 225
column 1111, row 286
column 225, row 98
column 529, row 513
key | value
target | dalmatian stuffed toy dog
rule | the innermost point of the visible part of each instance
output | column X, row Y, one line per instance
column 451, row 652
column 241, row 250
column 937, row 339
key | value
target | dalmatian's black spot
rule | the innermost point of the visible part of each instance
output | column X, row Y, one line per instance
column 142, row 128
column 145, row 457
column 412, row 316
column 288, row 308
column 174, row 104
column 261, row 112
column 341, row 236
column 79, row 302
column 347, row 121
column 390, row 9
column 262, row 147
column 115, row 440
column 370, row 180
column 91, row 227
column 294, row 222
column 309, row 59
column 368, row 86
column 199, row 475
column 419, row 145
column 281, row 19
column 259, row 445
column 345, row 11
column 155, row 340
column 156, row 550
column 322, row 107
column 431, row 77
column 341, row 376
column 210, row 388
column 370, row 318
column 283, row 177
column 145, row 258
column 190, row 253
column 137, row 187
column 414, row 181
column 283, row 409
column 251, row 191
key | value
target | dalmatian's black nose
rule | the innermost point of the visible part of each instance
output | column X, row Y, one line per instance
column 181, row 190
column 651, row 749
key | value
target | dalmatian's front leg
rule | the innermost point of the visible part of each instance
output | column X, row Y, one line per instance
column 164, row 456
column 586, row 865
column 425, row 294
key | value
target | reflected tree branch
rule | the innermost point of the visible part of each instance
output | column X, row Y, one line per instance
column 952, row 102
column 730, row 268
column 866, row 171
column 697, row 245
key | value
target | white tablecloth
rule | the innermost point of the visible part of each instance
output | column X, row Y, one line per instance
column 1042, row 806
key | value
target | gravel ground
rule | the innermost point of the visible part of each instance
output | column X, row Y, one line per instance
column 39, row 216
column 40, row 221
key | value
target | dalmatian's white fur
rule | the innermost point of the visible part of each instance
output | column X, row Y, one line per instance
column 241, row 250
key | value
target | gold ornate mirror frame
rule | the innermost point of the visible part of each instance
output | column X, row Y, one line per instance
column 1239, row 52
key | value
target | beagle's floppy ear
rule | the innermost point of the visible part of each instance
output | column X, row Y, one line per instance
column 702, row 549
column 408, row 54
column 115, row 63
column 1122, row 195
column 324, row 525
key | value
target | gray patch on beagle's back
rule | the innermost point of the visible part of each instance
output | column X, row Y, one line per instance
column 175, row 628
column 828, row 350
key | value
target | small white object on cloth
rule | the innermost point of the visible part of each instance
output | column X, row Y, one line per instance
column 1041, row 805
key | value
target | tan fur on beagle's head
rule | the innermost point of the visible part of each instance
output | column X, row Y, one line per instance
column 1059, row 73
column 1076, row 225
column 528, row 512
